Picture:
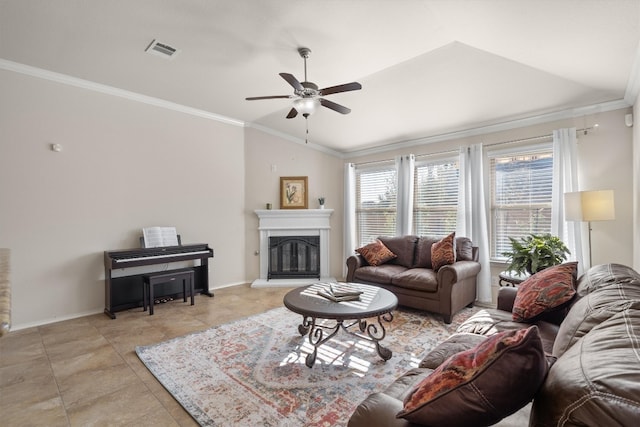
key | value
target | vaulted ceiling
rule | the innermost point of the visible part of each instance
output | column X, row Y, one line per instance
column 427, row 67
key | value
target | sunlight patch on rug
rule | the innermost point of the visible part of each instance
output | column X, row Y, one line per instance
column 252, row 371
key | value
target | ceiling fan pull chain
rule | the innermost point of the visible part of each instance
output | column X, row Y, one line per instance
column 306, row 125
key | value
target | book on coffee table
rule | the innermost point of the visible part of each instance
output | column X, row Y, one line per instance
column 343, row 293
column 337, row 295
column 334, row 298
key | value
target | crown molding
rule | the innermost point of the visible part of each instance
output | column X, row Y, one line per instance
column 110, row 90
column 294, row 139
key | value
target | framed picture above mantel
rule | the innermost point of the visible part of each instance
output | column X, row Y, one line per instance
column 294, row 192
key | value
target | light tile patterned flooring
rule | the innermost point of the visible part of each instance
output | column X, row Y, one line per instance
column 85, row 371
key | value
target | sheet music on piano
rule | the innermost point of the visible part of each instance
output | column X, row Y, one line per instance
column 159, row 236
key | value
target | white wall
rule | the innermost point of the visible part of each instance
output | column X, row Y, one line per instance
column 124, row 165
column 264, row 151
column 605, row 161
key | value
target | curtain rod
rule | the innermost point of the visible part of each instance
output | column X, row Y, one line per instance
column 437, row 153
column 533, row 138
column 373, row 162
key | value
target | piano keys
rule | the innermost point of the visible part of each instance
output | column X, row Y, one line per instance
column 125, row 291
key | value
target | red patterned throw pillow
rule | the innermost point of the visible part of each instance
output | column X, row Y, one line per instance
column 482, row 385
column 376, row 253
column 544, row 291
column 443, row 252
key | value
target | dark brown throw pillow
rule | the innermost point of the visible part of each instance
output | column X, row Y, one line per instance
column 544, row 291
column 443, row 252
column 376, row 253
column 482, row 385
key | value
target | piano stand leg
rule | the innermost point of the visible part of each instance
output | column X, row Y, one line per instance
column 144, row 296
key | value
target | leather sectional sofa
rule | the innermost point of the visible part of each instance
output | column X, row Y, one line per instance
column 592, row 346
column 411, row 278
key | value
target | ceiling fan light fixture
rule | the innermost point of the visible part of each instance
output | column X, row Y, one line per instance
column 306, row 105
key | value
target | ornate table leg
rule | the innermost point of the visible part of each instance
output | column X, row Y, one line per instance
column 316, row 336
column 303, row 328
column 376, row 335
column 375, row 332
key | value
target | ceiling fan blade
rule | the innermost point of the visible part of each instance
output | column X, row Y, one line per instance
column 253, row 98
column 335, row 107
column 292, row 81
column 341, row 88
column 292, row 113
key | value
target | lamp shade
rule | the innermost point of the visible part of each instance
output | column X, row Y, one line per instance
column 589, row 206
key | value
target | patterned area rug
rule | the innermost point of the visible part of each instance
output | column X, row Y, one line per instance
column 252, row 371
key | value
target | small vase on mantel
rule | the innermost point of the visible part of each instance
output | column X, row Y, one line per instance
column 321, row 202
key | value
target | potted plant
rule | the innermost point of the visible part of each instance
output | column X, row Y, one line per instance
column 321, row 202
column 533, row 253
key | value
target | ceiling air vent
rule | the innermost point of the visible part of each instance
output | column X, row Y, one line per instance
column 162, row 49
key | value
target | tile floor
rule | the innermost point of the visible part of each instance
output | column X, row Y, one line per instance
column 85, row 371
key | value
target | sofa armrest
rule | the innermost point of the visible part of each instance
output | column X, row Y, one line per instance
column 506, row 298
column 353, row 263
column 378, row 410
column 457, row 271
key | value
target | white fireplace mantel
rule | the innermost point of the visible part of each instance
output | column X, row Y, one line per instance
column 293, row 222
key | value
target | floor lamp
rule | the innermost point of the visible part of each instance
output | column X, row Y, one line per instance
column 589, row 206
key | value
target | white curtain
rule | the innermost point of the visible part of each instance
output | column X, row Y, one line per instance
column 404, row 216
column 472, row 215
column 349, row 232
column 565, row 180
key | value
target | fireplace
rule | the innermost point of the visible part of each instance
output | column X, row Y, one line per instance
column 294, row 256
column 294, row 247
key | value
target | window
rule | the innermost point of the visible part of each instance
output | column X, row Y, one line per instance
column 521, row 184
column 376, row 190
column 435, row 202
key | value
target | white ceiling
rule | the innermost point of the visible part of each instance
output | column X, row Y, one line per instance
column 427, row 67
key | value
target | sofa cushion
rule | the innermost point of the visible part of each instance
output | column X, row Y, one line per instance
column 464, row 249
column 443, row 252
column 403, row 246
column 596, row 382
column 454, row 344
column 423, row 251
column 381, row 274
column 492, row 321
column 482, row 385
column 545, row 291
column 604, row 297
column 604, row 275
column 376, row 253
column 420, row 279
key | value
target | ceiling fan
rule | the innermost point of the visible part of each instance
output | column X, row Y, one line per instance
column 307, row 97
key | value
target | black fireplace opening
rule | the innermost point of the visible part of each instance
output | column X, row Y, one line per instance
column 294, row 257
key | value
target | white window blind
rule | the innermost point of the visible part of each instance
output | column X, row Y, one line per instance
column 521, row 185
column 435, row 206
column 376, row 191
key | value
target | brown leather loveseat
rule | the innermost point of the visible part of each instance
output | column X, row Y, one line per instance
column 593, row 353
column 411, row 278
